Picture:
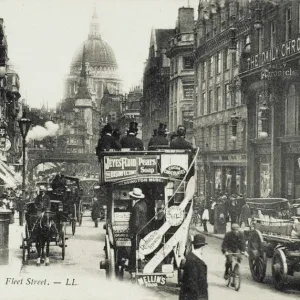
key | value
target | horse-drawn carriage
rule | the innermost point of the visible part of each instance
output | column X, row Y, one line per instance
column 166, row 178
column 275, row 234
column 41, row 229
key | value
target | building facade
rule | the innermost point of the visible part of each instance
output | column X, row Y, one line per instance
column 181, row 85
column 270, row 73
column 220, row 111
column 131, row 110
column 155, row 107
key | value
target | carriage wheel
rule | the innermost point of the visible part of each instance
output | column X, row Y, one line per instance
column 25, row 250
column 279, row 269
column 80, row 213
column 257, row 256
column 63, row 244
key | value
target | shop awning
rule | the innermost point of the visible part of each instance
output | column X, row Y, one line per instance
column 8, row 176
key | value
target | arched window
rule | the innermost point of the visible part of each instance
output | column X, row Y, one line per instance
column 291, row 112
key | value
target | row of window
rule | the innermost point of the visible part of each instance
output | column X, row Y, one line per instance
column 217, row 138
column 188, row 64
column 213, row 65
column 215, row 100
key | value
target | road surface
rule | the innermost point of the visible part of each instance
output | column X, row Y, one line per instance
column 79, row 276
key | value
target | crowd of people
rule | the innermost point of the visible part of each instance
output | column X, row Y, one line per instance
column 236, row 210
column 111, row 139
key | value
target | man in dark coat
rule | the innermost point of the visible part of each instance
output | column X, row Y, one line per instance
column 138, row 220
column 96, row 211
column 42, row 201
column 234, row 242
column 159, row 141
column 180, row 142
column 131, row 141
column 194, row 280
column 107, row 141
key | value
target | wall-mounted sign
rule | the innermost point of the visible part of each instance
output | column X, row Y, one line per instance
column 174, row 215
column 150, row 242
column 174, row 171
column 281, row 51
column 117, row 167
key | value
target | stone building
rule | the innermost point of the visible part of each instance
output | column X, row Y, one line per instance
column 270, row 73
column 220, row 112
column 156, row 83
column 131, row 110
column 181, row 85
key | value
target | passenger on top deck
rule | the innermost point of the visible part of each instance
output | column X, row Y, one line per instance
column 160, row 139
column 131, row 141
column 180, row 142
column 107, row 141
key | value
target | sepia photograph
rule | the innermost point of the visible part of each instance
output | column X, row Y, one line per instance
column 149, row 149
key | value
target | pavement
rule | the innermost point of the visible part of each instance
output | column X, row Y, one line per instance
column 14, row 264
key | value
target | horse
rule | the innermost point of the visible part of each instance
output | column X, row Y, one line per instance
column 43, row 237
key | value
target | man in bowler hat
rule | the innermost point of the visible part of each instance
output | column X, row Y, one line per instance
column 194, row 280
column 131, row 141
column 159, row 141
column 180, row 142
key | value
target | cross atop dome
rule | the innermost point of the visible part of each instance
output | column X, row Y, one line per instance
column 94, row 26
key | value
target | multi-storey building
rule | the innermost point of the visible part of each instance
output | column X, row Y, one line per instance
column 270, row 75
column 156, row 83
column 220, row 111
column 131, row 110
column 181, row 85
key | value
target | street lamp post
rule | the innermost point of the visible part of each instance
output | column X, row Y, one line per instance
column 24, row 124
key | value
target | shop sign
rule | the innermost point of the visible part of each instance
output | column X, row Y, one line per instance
column 117, row 167
column 174, row 215
column 150, row 242
column 151, row 280
column 174, row 165
column 281, row 51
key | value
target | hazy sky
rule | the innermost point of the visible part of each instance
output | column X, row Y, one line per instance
column 43, row 35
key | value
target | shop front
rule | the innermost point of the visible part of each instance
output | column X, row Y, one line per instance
column 228, row 174
column 291, row 171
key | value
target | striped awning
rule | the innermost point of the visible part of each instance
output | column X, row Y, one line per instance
column 9, row 177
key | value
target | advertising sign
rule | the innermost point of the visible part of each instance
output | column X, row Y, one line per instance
column 121, row 216
column 150, row 242
column 151, row 280
column 174, row 215
column 117, row 167
column 174, row 165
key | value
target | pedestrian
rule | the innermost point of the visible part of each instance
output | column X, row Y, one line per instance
column 180, row 142
column 96, row 211
column 205, row 218
column 159, row 141
column 194, row 281
column 131, row 141
column 137, row 223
